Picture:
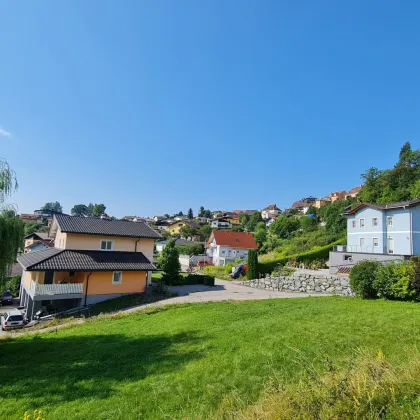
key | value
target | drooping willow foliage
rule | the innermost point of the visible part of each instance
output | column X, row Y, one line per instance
column 11, row 227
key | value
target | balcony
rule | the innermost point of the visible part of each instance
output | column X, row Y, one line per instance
column 37, row 289
column 359, row 249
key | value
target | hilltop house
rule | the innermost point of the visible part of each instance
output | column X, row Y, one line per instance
column 225, row 246
column 353, row 192
column 34, row 237
column 175, row 227
column 221, row 223
column 337, row 195
column 31, row 218
column 92, row 260
column 321, row 202
column 160, row 246
column 304, row 204
column 270, row 212
column 380, row 232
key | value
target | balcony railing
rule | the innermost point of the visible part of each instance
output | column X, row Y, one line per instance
column 37, row 289
column 365, row 249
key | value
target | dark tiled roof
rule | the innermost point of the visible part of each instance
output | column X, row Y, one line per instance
column 41, row 235
column 397, row 205
column 272, row 207
column 83, row 260
column 96, row 226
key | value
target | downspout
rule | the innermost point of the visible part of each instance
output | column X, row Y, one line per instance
column 411, row 232
column 135, row 245
column 87, row 285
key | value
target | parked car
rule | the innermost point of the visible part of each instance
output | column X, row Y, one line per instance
column 7, row 298
column 11, row 320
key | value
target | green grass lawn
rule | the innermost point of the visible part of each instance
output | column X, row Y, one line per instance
column 194, row 361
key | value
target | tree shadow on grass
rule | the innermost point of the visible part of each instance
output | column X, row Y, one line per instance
column 52, row 370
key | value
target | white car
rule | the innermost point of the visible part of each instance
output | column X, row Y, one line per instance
column 11, row 320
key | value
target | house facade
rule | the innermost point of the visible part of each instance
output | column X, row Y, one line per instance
column 270, row 212
column 337, row 195
column 380, row 232
column 222, row 223
column 92, row 260
column 175, row 227
column 225, row 246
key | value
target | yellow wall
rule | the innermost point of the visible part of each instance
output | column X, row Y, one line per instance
column 176, row 227
column 132, row 282
column 100, row 283
column 60, row 239
column 93, row 242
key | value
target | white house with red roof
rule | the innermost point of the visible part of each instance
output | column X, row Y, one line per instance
column 225, row 246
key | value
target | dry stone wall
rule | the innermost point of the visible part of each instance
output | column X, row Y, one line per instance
column 307, row 283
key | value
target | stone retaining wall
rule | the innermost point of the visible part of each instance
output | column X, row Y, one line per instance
column 308, row 283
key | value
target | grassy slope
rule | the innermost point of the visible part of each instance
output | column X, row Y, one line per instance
column 187, row 361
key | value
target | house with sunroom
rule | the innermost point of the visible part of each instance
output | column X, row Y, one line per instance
column 380, row 232
column 91, row 260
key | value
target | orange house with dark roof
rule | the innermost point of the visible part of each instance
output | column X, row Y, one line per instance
column 225, row 246
column 92, row 260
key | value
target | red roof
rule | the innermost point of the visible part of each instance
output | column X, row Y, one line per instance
column 234, row 239
column 355, row 190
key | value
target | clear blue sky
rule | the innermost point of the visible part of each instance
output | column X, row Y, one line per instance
column 158, row 106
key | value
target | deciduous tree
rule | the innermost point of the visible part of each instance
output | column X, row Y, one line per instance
column 11, row 227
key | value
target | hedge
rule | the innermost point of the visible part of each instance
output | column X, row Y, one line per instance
column 191, row 279
column 319, row 253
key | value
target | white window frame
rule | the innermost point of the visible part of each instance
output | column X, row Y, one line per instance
column 387, row 245
column 353, row 223
column 375, row 241
column 106, row 240
column 360, row 222
column 113, row 276
column 374, row 221
column 389, row 221
column 360, row 242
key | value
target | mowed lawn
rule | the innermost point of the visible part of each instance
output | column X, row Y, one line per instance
column 193, row 361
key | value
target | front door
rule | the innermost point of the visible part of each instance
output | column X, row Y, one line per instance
column 49, row 276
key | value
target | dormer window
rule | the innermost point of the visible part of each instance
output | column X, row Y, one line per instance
column 107, row 245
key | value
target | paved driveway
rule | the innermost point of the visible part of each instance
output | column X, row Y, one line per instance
column 222, row 291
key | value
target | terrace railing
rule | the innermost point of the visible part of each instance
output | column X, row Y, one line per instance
column 55, row 289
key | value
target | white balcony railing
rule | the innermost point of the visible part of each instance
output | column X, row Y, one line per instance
column 355, row 248
column 55, row 289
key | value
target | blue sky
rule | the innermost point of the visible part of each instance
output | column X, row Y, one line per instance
column 158, row 106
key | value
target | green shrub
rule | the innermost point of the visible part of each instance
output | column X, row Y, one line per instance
column 191, row 279
column 252, row 264
column 317, row 253
column 395, row 280
column 415, row 284
column 282, row 270
column 362, row 278
column 13, row 285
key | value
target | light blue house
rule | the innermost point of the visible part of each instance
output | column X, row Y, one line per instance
column 380, row 232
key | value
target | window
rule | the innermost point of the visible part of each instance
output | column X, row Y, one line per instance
column 375, row 242
column 117, row 277
column 353, row 223
column 107, row 245
column 362, row 242
column 375, row 221
column 389, row 221
column 362, row 222
column 223, row 251
column 390, row 243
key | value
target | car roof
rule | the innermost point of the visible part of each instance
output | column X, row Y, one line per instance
column 13, row 313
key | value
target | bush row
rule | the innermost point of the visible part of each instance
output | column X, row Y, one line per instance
column 317, row 253
column 191, row 279
column 395, row 280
